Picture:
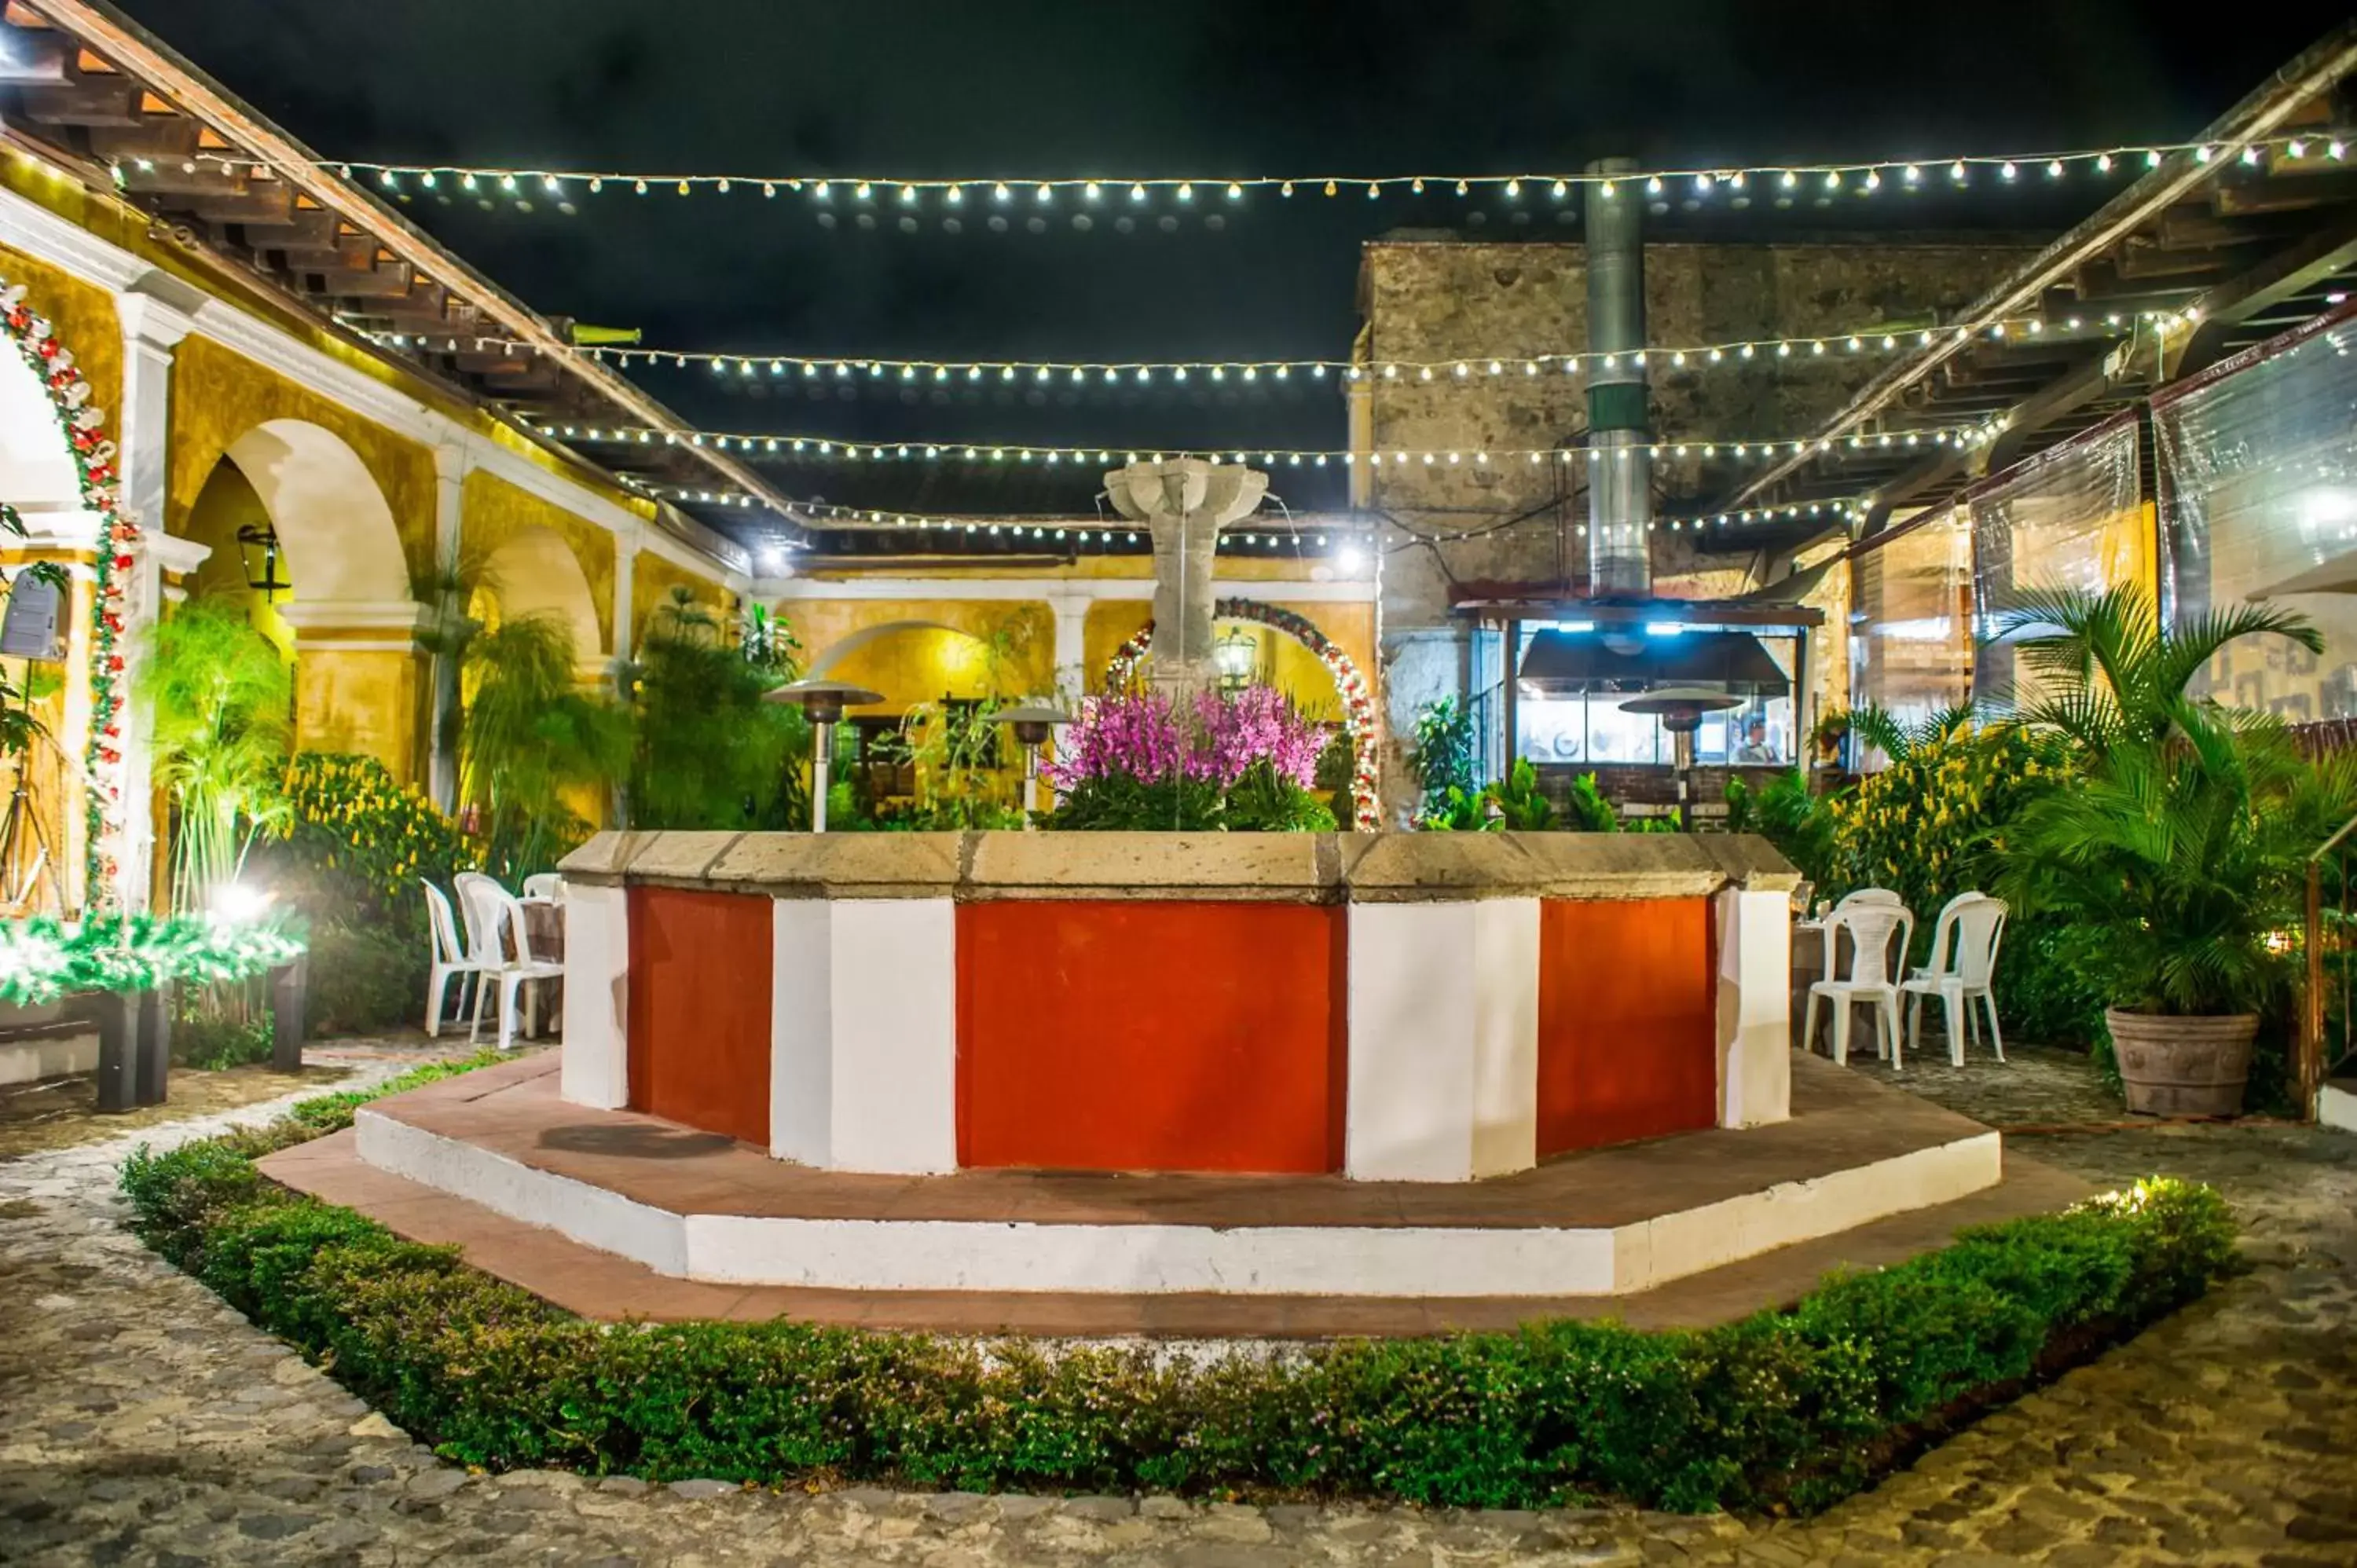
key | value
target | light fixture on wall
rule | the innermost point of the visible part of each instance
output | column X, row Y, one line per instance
column 257, row 545
column 1236, row 656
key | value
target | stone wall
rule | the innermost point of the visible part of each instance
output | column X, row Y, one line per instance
column 1440, row 299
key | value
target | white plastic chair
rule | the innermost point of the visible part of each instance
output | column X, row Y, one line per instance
column 452, row 959
column 1871, row 925
column 1963, row 971
column 544, row 886
column 499, row 914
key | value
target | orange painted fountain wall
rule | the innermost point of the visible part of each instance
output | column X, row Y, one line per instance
column 1628, row 1022
column 1152, row 1035
column 699, row 1009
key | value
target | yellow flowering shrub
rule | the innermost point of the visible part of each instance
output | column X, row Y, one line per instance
column 1931, row 824
column 354, row 822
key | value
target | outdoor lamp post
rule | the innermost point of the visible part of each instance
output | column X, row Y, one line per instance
column 1680, row 709
column 1032, row 723
column 822, row 703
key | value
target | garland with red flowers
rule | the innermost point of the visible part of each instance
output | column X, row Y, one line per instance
column 1357, row 702
column 93, row 454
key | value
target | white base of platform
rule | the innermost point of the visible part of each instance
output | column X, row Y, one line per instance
column 1363, row 1261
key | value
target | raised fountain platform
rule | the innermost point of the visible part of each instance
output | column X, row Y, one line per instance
column 616, row 1214
column 1360, row 1069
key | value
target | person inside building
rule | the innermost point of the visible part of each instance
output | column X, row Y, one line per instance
column 1755, row 748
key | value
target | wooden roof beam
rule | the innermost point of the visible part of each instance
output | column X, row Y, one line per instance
column 2288, row 274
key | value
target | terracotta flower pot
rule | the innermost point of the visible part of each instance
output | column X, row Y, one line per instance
column 2183, row 1066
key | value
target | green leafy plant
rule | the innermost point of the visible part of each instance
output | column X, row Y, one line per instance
column 1522, row 806
column 1786, row 1408
column 1121, row 802
column 1443, row 755
column 1456, row 810
column 707, row 750
column 1787, row 815
column 1263, row 801
column 1587, row 810
column 531, row 745
column 219, row 696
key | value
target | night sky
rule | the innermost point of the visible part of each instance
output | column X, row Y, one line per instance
column 985, row 88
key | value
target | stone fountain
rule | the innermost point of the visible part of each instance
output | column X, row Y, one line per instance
column 1185, row 502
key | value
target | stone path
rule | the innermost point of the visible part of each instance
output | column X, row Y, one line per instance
column 142, row 1422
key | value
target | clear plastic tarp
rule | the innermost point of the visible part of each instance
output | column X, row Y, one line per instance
column 1910, row 640
column 2259, row 485
column 2072, row 517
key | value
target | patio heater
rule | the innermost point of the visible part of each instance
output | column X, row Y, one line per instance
column 822, row 703
column 1032, row 723
column 1680, row 709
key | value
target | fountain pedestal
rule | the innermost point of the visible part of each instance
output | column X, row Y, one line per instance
column 1184, row 502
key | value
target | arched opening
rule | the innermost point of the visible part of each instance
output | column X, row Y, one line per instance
column 533, row 573
column 1252, row 621
column 290, row 504
column 927, row 733
column 302, row 534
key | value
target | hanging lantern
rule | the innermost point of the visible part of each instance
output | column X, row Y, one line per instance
column 257, row 545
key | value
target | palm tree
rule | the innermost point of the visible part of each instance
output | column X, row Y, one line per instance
column 531, row 742
column 707, row 751
column 2110, row 670
column 447, row 590
column 2185, row 837
column 1898, row 740
column 219, row 696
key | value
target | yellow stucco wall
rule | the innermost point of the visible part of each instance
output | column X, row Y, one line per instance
column 365, row 700
column 912, row 665
column 653, row 577
column 219, row 396
column 82, row 315
column 492, row 511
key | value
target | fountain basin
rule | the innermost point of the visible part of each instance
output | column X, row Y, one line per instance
column 1424, row 1007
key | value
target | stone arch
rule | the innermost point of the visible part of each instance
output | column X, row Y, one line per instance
column 848, row 649
column 533, row 571
column 333, row 523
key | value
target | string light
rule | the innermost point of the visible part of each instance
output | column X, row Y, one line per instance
column 1833, row 175
column 772, row 444
column 740, row 363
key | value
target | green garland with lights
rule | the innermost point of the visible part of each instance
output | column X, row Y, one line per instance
column 42, row 959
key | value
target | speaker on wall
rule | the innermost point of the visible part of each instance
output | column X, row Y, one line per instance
column 29, row 629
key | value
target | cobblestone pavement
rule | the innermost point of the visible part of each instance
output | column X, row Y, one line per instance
column 143, row 1422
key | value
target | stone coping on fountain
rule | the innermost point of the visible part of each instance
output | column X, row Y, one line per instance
column 1281, row 868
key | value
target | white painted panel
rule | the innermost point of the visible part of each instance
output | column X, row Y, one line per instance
column 591, row 1215
column 802, row 1031
column 869, row 1254
column 1505, row 1106
column 2337, row 1107
column 1755, row 1008
column 1409, row 1105
column 596, row 1068
column 895, row 989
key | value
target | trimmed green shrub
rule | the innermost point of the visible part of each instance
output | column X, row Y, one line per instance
column 1783, row 1409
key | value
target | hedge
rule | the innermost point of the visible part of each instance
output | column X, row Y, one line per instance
column 1785, row 1409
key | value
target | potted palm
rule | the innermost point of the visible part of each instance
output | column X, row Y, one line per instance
column 2183, row 841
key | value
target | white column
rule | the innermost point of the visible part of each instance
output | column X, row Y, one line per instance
column 596, row 1070
column 451, row 461
column 151, row 330
column 1444, row 1028
column 626, row 568
column 1755, row 1007
column 862, row 1068
column 1071, row 612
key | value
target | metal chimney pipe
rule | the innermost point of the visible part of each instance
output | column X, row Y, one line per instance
column 1620, row 469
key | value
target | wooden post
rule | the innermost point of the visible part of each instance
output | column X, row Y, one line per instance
column 287, row 1000
column 118, row 1050
column 155, row 1045
column 2307, row 1066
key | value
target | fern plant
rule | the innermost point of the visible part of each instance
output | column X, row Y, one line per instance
column 222, row 699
